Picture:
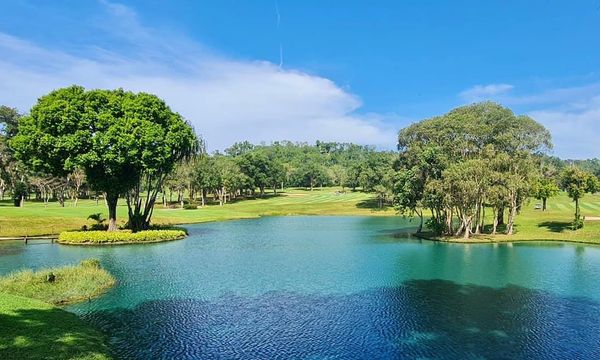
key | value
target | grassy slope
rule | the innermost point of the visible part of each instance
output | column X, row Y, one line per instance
column 73, row 284
column 32, row 329
column 35, row 219
column 532, row 224
column 554, row 223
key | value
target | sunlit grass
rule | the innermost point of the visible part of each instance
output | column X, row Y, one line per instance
column 36, row 219
column 71, row 283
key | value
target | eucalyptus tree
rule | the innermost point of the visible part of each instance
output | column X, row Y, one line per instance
column 466, row 159
column 577, row 183
column 127, row 143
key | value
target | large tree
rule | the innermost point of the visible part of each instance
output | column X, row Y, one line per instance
column 466, row 159
column 127, row 143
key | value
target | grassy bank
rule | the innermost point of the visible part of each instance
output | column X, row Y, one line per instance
column 71, row 283
column 554, row 224
column 31, row 327
column 36, row 219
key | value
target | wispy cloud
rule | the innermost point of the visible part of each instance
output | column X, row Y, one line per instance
column 571, row 113
column 484, row 92
column 225, row 99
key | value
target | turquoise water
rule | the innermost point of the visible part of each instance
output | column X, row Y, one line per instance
column 337, row 287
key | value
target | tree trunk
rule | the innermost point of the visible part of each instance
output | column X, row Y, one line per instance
column 544, row 204
column 501, row 215
column 511, row 217
column 111, row 200
column 495, row 226
column 467, row 227
column 478, row 218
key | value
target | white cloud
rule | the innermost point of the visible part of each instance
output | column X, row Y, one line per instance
column 575, row 127
column 571, row 114
column 225, row 99
column 484, row 92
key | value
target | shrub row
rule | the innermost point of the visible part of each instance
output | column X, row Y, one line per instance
column 121, row 236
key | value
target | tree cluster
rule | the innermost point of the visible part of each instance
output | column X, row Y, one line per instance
column 474, row 158
column 245, row 169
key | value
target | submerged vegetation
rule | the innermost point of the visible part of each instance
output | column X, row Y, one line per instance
column 61, row 285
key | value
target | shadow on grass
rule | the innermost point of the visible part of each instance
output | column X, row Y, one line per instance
column 556, row 226
column 372, row 204
column 48, row 333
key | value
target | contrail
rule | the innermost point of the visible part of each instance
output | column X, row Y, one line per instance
column 278, row 15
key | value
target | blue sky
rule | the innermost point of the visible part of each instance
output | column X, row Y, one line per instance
column 306, row 70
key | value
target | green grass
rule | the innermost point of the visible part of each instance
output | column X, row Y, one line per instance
column 36, row 219
column 554, row 224
column 118, row 237
column 32, row 329
column 531, row 224
column 72, row 283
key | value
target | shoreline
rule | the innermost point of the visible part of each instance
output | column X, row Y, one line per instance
column 490, row 241
column 422, row 236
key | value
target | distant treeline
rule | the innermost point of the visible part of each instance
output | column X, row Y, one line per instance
column 245, row 169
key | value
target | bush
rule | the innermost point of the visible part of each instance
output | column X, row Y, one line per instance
column 119, row 237
column 190, row 207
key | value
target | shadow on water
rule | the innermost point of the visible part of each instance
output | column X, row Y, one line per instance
column 422, row 318
column 556, row 226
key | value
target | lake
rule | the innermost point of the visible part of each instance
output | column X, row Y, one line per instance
column 337, row 288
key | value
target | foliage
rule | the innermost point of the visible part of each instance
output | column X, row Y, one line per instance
column 99, row 219
column 456, row 164
column 120, row 237
column 545, row 188
column 120, row 139
column 72, row 283
column 577, row 183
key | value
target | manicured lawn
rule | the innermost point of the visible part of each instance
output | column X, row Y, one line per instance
column 36, row 219
column 32, row 329
column 553, row 224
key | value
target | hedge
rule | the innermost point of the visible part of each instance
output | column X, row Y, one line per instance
column 119, row 237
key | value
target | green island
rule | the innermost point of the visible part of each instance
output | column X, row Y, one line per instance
column 33, row 324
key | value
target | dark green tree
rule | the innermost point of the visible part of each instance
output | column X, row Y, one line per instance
column 126, row 143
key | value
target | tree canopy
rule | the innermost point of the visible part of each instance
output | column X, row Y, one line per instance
column 473, row 156
column 125, row 142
